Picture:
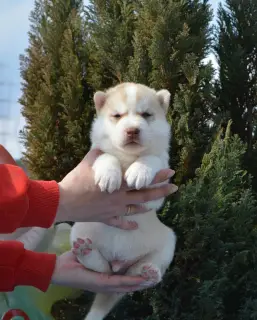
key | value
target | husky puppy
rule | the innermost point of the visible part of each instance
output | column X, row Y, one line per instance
column 132, row 131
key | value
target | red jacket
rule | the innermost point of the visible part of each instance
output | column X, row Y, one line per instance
column 25, row 203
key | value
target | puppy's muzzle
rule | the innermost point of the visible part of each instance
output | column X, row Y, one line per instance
column 132, row 134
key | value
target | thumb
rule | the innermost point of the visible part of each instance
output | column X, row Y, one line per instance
column 5, row 157
column 91, row 156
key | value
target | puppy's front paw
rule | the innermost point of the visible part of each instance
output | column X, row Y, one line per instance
column 139, row 175
column 108, row 174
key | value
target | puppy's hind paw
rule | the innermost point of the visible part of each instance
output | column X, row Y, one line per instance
column 82, row 247
column 151, row 274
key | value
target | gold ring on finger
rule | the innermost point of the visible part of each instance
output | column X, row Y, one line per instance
column 128, row 211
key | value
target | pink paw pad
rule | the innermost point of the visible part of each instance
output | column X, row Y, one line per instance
column 151, row 273
column 82, row 247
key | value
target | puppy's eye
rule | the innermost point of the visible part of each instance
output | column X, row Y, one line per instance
column 146, row 115
column 117, row 116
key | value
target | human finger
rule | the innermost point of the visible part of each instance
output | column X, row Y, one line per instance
column 131, row 209
column 120, row 223
column 91, row 156
column 125, row 289
column 118, row 281
column 162, row 176
column 5, row 156
column 145, row 195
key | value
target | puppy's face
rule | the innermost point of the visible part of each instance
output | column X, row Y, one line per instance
column 132, row 117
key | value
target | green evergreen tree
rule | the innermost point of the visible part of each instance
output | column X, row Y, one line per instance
column 111, row 27
column 171, row 40
column 56, row 97
column 236, row 53
column 213, row 275
column 161, row 44
column 192, row 114
column 178, row 66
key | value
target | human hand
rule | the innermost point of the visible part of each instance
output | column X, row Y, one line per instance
column 82, row 200
column 70, row 273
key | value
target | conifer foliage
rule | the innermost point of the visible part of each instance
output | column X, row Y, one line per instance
column 75, row 50
column 161, row 44
column 56, row 96
column 215, row 217
column 111, row 27
column 237, row 56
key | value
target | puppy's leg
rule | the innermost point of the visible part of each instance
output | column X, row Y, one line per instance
column 102, row 305
column 90, row 257
column 141, row 174
column 153, row 266
column 108, row 173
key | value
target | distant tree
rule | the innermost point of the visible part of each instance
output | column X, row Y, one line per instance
column 111, row 27
column 56, row 97
column 213, row 275
column 237, row 56
column 161, row 44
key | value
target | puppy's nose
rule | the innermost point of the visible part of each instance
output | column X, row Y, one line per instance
column 132, row 132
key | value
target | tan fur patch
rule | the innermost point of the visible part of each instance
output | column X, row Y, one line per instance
column 131, row 96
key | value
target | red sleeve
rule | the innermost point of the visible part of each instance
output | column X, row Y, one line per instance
column 19, row 266
column 25, row 202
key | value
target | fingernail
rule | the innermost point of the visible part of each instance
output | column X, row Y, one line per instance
column 170, row 174
column 173, row 188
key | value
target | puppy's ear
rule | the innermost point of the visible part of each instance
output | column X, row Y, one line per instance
column 99, row 100
column 164, row 99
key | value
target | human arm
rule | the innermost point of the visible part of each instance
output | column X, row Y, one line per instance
column 19, row 266
column 23, row 267
column 25, row 202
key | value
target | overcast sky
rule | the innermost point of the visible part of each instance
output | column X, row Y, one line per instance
column 14, row 25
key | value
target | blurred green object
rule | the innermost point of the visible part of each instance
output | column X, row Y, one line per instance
column 35, row 303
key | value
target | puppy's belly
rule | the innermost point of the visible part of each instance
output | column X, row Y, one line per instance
column 114, row 243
